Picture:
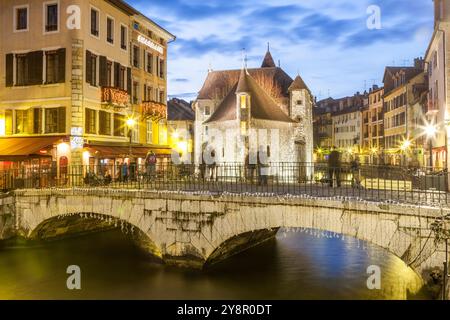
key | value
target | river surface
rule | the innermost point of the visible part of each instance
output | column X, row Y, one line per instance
column 298, row 264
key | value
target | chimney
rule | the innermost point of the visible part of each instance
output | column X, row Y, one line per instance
column 419, row 63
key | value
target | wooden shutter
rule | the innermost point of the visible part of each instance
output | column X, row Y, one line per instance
column 103, row 78
column 62, row 65
column 116, row 74
column 88, row 67
column 62, row 120
column 35, row 62
column 8, row 122
column 129, row 80
column 37, row 120
column 9, row 70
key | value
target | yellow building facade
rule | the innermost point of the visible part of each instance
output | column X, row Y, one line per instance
column 68, row 85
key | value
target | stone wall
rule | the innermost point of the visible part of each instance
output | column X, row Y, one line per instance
column 7, row 216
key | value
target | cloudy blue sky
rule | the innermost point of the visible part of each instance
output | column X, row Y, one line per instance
column 326, row 41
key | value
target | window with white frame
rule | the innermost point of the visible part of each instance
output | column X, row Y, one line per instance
column 95, row 22
column 51, row 12
column 123, row 37
column 110, row 30
column 21, row 18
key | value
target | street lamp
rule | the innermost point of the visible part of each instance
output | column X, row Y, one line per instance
column 131, row 123
column 431, row 131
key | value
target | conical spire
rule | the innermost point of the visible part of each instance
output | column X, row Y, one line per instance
column 298, row 84
column 268, row 61
column 242, row 83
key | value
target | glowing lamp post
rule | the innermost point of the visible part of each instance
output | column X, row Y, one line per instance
column 131, row 123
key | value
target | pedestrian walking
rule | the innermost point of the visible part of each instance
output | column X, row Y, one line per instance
column 334, row 167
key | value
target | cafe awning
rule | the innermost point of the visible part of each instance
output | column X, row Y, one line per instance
column 12, row 149
column 117, row 152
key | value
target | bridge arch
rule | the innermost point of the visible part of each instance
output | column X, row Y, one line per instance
column 83, row 223
column 402, row 236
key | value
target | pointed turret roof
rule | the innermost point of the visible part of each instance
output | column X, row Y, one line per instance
column 262, row 107
column 268, row 61
column 298, row 84
column 242, row 85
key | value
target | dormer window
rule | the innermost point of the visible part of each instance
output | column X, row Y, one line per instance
column 243, row 102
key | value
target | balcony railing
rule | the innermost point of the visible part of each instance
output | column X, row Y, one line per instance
column 154, row 110
column 116, row 97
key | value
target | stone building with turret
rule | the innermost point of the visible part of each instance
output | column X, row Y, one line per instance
column 253, row 109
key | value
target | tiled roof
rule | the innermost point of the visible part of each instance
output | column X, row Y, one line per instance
column 219, row 83
column 179, row 110
column 298, row 84
column 268, row 61
column 262, row 106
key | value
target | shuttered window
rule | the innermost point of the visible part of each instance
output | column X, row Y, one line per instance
column 21, row 121
column 37, row 120
column 21, row 70
column 136, row 56
column 162, row 68
column 91, row 68
column 55, row 120
column 149, row 62
column 122, row 78
column 8, row 122
column 52, row 67
column 119, row 125
column 90, row 121
column 109, row 74
column 104, row 123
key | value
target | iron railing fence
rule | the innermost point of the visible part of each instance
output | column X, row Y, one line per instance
column 369, row 182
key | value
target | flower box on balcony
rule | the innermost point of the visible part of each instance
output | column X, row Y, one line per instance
column 116, row 97
column 155, row 110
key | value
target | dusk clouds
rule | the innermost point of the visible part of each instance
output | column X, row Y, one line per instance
column 327, row 41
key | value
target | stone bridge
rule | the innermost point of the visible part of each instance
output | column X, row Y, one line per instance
column 195, row 230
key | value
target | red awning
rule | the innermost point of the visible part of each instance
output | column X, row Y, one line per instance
column 21, row 148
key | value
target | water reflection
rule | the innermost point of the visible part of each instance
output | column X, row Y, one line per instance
column 297, row 265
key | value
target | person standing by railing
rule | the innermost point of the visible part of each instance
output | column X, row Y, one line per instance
column 334, row 167
column 250, row 166
column 213, row 166
column 356, row 177
column 263, row 167
column 150, row 161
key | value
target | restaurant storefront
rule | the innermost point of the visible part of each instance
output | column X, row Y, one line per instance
column 33, row 161
column 109, row 159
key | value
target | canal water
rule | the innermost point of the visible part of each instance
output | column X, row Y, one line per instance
column 298, row 264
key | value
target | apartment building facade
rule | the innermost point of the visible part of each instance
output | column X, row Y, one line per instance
column 396, row 134
column 66, row 84
column 436, row 64
column 372, row 127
